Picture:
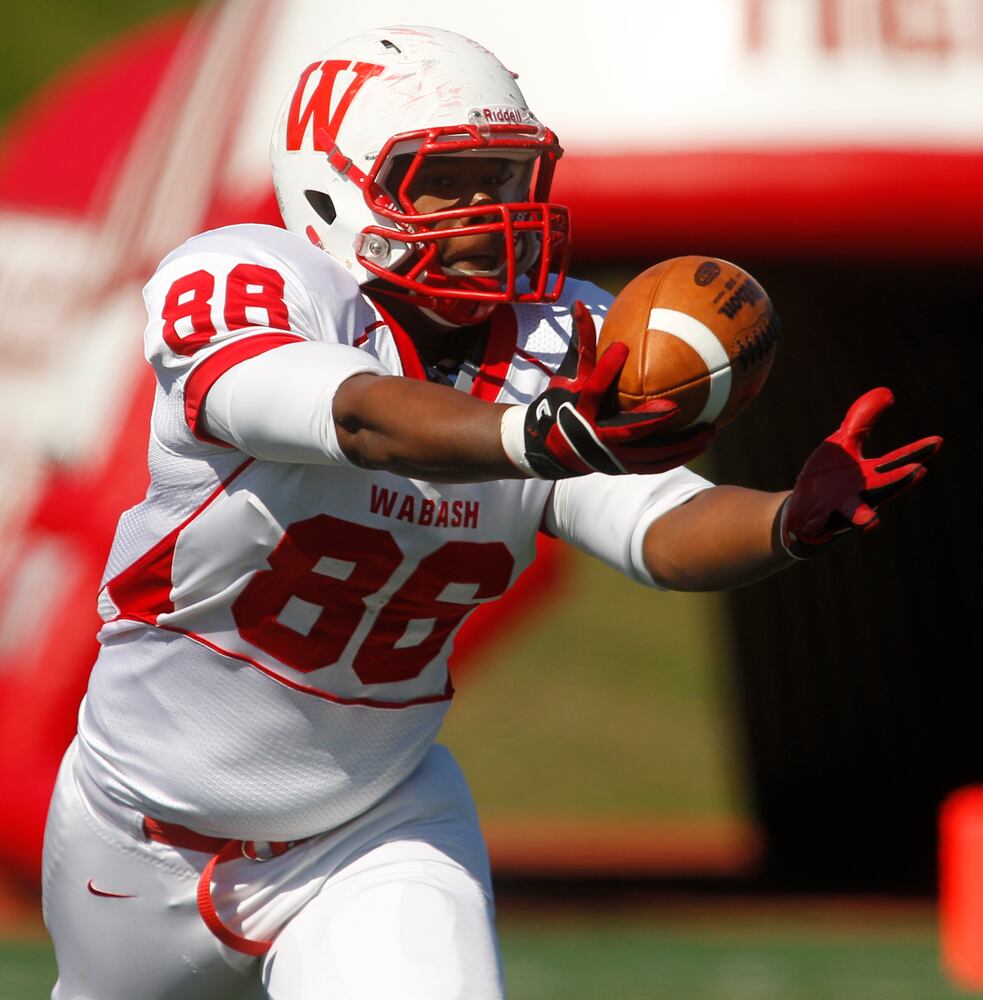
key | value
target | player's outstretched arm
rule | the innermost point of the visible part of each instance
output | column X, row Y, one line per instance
column 420, row 430
column 722, row 538
column 433, row 432
column 727, row 536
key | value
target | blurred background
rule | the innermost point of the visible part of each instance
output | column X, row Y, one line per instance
column 721, row 796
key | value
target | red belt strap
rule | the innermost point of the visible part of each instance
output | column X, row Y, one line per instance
column 222, row 850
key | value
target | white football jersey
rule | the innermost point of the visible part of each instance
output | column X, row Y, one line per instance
column 277, row 632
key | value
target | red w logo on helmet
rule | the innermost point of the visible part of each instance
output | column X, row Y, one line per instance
column 326, row 124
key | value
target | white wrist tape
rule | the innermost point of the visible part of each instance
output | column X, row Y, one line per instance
column 513, row 431
column 784, row 532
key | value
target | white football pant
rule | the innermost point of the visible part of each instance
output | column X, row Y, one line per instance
column 395, row 905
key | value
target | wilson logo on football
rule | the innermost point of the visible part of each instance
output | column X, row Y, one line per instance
column 749, row 293
column 318, row 107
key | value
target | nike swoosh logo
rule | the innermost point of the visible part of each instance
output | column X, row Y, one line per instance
column 107, row 895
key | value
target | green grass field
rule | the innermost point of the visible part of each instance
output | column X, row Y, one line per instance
column 725, row 959
column 612, row 703
column 765, row 953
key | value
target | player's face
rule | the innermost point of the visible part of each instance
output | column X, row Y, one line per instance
column 445, row 182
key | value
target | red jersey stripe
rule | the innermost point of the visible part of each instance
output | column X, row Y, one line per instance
column 533, row 360
column 364, row 336
column 446, row 695
column 499, row 352
column 215, row 366
column 409, row 359
column 142, row 591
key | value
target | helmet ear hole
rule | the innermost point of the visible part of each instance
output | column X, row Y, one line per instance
column 322, row 204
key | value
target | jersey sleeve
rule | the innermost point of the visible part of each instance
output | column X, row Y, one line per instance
column 278, row 406
column 607, row 516
column 234, row 296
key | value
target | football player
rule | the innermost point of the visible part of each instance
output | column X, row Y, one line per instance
column 361, row 423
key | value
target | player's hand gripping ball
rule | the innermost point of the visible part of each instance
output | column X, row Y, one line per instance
column 562, row 432
column 700, row 332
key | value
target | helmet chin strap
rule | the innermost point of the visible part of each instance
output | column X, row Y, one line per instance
column 454, row 313
column 438, row 319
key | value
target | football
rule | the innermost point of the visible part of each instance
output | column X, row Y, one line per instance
column 700, row 331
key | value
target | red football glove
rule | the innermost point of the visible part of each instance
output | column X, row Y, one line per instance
column 838, row 490
column 561, row 434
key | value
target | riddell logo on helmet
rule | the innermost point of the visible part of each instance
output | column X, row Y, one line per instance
column 503, row 115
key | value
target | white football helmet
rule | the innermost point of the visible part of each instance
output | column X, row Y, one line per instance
column 423, row 92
